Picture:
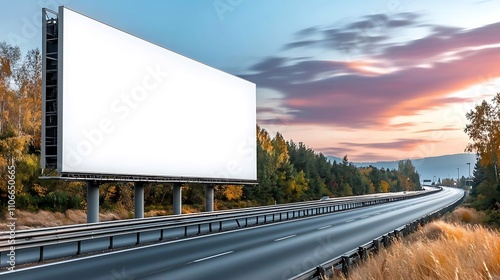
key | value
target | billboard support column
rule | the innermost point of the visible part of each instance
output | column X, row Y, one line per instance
column 177, row 198
column 209, row 198
column 139, row 200
column 92, row 202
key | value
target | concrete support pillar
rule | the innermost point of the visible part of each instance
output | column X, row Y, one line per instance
column 209, row 198
column 139, row 200
column 92, row 202
column 177, row 199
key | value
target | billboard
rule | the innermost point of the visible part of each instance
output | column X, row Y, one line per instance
column 130, row 107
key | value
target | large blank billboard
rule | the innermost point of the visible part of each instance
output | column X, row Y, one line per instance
column 130, row 107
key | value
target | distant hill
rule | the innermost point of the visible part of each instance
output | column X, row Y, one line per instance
column 439, row 166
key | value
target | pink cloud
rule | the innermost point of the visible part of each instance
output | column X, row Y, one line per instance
column 342, row 94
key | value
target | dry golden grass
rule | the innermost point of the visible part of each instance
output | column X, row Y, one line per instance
column 189, row 209
column 439, row 251
column 155, row 213
column 42, row 218
column 28, row 220
column 466, row 215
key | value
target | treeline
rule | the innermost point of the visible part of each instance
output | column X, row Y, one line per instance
column 484, row 131
column 287, row 171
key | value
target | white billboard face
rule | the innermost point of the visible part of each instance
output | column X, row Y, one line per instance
column 130, row 107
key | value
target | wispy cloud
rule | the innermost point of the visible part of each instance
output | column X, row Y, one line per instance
column 436, row 130
column 398, row 144
column 399, row 79
column 375, row 151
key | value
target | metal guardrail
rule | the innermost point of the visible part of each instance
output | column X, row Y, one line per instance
column 343, row 263
column 138, row 231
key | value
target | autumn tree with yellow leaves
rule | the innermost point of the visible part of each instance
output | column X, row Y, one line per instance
column 483, row 130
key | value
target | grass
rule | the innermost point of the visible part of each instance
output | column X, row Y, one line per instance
column 452, row 249
column 466, row 216
column 40, row 219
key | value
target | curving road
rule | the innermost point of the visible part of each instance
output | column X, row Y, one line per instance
column 273, row 251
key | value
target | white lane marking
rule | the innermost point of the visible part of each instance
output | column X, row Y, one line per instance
column 348, row 221
column 364, row 217
column 211, row 257
column 286, row 237
column 325, row 227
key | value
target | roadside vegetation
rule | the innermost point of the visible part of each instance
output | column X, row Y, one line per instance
column 484, row 131
column 457, row 247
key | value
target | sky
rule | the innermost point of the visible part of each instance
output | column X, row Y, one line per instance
column 374, row 80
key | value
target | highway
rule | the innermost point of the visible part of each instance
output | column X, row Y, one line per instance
column 274, row 251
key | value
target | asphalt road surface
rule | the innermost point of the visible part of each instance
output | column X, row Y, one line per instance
column 274, row 251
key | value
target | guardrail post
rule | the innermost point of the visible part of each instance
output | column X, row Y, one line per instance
column 376, row 245
column 363, row 254
column 386, row 240
column 345, row 265
column 40, row 259
column 138, row 200
column 397, row 234
column 421, row 222
column 79, row 247
column 177, row 198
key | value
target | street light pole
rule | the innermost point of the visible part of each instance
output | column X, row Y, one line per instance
column 468, row 163
column 458, row 176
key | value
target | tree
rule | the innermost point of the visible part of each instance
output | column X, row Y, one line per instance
column 408, row 176
column 29, row 94
column 484, row 131
column 20, row 117
column 384, row 186
column 9, row 58
column 233, row 192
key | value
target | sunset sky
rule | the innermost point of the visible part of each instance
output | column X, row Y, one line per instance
column 376, row 80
